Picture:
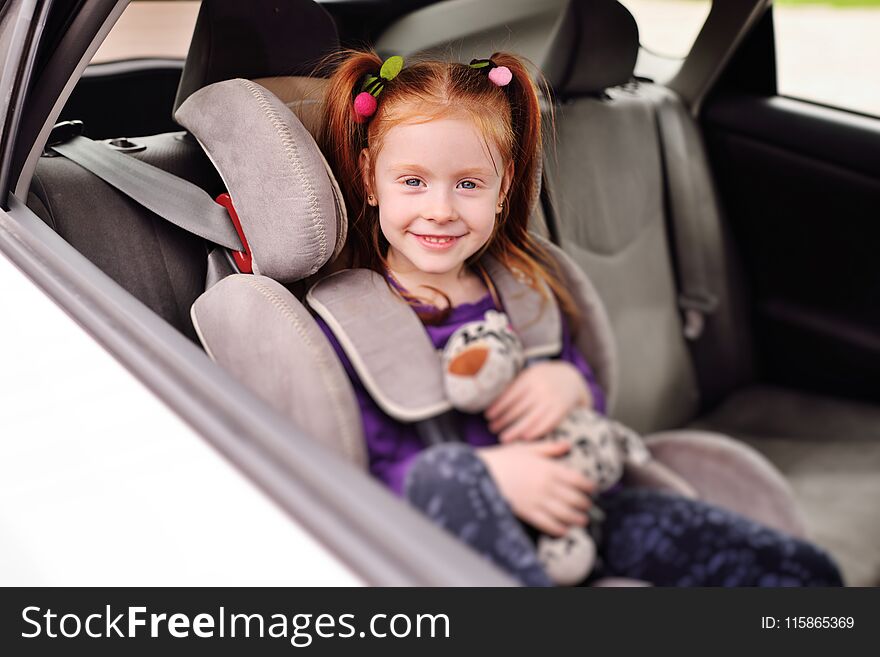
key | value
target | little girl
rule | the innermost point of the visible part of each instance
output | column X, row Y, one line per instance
column 437, row 162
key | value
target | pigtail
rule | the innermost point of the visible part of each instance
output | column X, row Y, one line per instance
column 525, row 119
column 513, row 244
column 342, row 138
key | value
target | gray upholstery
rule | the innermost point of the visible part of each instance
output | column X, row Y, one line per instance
column 606, row 149
column 266, row 339
column 369, row 319
column 303, row 96
column 158, row 263
column 467, row 29
column 608, row 194
column 705, row 258
column 594, row 336
column 594, row 47
column 727, row 473
column 280, row 184
column 180, row 154
column 829, row 451
column 657, row 475
column 257, row 38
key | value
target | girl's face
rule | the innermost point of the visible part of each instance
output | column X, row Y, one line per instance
column 438, row 191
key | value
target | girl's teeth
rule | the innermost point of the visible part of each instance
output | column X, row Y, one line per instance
column 438, row 240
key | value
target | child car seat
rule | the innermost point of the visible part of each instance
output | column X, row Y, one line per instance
column 293, row 218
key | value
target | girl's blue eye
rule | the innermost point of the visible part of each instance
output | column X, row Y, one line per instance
column 468, row 184
column 410, row 182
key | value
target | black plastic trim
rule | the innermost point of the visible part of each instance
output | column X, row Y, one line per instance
column 831, row 135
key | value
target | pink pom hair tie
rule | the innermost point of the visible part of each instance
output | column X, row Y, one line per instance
column 498, row 75
column 364, row 106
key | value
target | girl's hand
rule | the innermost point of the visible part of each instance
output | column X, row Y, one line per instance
column 544, row 492
column 537, row 400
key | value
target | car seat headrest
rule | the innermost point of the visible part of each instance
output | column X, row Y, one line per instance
column 290, row 207
column 303, row 96
column 255, row 39
column 595, row 47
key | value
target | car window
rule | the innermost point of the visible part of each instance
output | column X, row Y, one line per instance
column 150, row 29
column 827, row 51
column 667, row 30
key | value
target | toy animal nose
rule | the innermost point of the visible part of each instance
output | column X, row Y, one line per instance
column 469, row 362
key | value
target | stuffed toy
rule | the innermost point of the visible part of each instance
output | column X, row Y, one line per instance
column 479, row 361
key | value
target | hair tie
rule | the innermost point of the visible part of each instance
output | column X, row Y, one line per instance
column 365, row 102
column 500, row 76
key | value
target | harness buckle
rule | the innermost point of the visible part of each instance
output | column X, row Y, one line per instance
column 243, row 259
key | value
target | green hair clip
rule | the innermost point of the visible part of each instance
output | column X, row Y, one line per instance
column 365, row 102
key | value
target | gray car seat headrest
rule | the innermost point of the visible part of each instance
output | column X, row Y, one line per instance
column 288, row 202
column 595, row 47
column 304, row 96
column 253, row 39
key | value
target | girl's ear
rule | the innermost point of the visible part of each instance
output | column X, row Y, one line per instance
column 505, row 182
column 364, row 162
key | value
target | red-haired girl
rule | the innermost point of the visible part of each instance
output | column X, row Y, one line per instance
column 437, row 162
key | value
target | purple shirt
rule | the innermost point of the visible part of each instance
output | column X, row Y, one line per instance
column 392, row 445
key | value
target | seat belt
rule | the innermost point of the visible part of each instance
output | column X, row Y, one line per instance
column 696, row 299
column 549, row 211
column 176, row 200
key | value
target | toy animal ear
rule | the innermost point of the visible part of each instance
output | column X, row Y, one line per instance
column 469, row 362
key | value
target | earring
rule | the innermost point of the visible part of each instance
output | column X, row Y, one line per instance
column 371, row 199
column 500, row 206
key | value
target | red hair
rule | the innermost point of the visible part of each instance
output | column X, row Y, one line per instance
column 509, row 117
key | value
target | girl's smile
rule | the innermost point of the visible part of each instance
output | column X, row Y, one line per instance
column 437, row 242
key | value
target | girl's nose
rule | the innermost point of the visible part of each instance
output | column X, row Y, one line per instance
column 441, row 209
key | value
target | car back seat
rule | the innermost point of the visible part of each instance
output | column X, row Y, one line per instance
column 612, row 218
column 164, row 266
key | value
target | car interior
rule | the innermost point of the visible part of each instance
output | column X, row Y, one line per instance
column 727, row 230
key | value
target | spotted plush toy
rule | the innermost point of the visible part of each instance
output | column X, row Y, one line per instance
column 480, row 359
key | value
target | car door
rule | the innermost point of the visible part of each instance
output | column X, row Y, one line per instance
column 799, row 175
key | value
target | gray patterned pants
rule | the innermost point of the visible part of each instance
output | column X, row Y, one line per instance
column 450, row 484
column 660, row 538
